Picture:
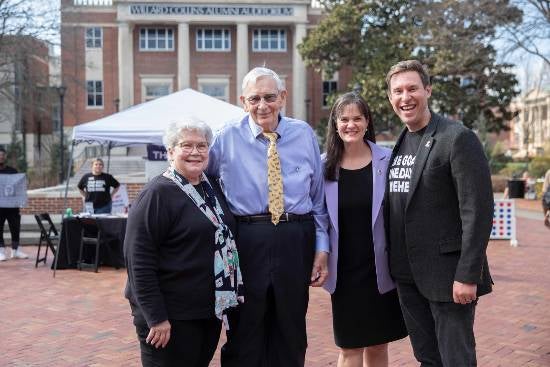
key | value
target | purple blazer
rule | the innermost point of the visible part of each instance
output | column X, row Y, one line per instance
column 380, row 160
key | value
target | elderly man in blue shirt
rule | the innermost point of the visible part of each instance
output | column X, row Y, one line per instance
column 270, row 171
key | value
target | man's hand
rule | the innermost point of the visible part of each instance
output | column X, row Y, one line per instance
column 159, row 335
column 464, row 293
column 319, row 272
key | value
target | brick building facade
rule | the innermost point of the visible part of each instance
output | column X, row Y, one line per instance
column 28, row 103
column 118, row 53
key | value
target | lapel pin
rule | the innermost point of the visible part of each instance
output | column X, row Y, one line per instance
column 428, row 143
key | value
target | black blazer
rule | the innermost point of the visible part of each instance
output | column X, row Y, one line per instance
column 449, row 211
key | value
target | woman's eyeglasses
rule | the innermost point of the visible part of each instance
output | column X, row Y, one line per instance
column 188, row 147
column 268, row 98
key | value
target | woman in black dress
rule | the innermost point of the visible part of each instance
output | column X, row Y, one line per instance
column 365, row 308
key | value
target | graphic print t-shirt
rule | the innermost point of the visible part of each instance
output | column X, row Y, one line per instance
column 399, row 179
column 98, row 188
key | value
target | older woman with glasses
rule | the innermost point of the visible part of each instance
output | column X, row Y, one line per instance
column 183, row 266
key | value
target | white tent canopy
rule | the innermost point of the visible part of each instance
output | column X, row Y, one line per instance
column 146, row 122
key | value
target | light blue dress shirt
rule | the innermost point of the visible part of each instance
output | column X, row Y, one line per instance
column 238, row 156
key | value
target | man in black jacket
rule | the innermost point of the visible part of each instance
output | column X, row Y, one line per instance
column 439, row 208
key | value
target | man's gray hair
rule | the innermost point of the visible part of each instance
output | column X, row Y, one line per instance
column 175, row 129
column 259, row 72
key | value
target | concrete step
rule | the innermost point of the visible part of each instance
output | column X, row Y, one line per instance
column 25, row 238
column 30, row 233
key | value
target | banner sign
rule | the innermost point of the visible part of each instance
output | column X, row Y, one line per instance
column 120, row 201
column 13, row 190
column 227, row 10
column 156, row 152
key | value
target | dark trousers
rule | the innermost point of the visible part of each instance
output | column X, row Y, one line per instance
column 441, row 333
column 106, row 209
column 269, row 328
column 192, row 343
column 14, row 222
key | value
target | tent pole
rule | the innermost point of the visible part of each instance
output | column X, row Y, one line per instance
column 69, row 168
column 108, row 156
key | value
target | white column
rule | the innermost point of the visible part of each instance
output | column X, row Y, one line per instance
column 125, row 65
column 184, row 57
column 242, row 55
column 298, row 75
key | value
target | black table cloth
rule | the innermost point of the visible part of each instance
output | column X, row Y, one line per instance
column 112, row 240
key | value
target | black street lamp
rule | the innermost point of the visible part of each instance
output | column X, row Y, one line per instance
column 61, row 91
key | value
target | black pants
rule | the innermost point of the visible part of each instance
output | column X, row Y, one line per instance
column 14, row 222
column 269, row 328
column 192, row 343
column 441, row 333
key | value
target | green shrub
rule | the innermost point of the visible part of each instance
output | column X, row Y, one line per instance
column 539, row 166
column 497, row 158
column 514, row 169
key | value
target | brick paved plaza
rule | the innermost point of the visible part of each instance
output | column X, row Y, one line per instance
column 82, row 319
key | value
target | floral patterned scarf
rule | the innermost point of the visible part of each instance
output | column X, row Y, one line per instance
column 227, row 273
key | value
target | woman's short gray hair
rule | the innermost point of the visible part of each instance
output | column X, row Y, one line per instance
column 256, row 73
column 175, row 129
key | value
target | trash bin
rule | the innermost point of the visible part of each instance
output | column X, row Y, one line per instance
column 516, row 189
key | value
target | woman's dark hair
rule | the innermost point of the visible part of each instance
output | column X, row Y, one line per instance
column 335, row 145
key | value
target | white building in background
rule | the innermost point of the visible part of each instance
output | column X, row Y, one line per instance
column 530, row 130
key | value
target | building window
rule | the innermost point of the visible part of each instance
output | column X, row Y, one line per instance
column 156, row 39
column 217, row 87
column 329, row 87
column 154, row 91
column 56, row 117
column 94, row 37
column 155, row 86
column 270, row 40
column 94, row 89
column 209, row 39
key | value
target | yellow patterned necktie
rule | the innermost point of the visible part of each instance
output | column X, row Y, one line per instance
column 274, row 179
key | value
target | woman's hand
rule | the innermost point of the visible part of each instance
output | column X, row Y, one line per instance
column 319, row 273
column 159, row 335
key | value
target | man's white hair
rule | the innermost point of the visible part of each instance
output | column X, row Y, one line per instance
column 259, row 72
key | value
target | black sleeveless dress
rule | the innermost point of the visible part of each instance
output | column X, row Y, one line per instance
column 361, row 315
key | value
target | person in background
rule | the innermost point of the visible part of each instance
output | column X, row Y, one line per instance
column 95, row 187
column 439, row 216
column 546, row 198
column 270, row 169
column 181, row 257
column 528, row 187
column 12, row 216
column 365, row 308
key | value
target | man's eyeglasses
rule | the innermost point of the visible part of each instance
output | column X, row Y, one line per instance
column 188, row 147
column 268, row 98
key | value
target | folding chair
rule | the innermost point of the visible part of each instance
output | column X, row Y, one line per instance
column 90, row 235
column 50, row 237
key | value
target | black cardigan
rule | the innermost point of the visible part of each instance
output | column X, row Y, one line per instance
column 169, row 254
